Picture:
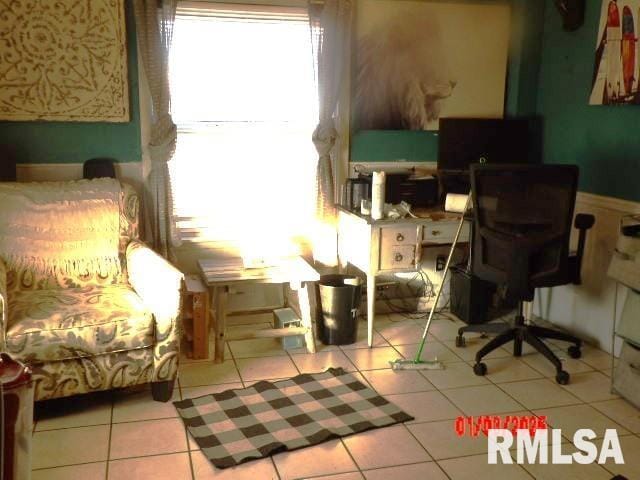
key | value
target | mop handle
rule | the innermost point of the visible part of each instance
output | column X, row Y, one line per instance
column 444, row 276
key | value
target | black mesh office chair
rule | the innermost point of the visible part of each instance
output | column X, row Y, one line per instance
column 522, row 224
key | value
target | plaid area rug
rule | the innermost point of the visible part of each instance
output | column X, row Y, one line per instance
column 270, row 417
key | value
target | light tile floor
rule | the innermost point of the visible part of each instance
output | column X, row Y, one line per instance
column 125, row 434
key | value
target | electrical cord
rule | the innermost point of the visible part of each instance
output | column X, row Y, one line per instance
column 405, row 309
column 426, row 289
column 399, row 304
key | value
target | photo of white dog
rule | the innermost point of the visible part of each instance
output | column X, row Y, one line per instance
column 417, row 61
column 401, row 82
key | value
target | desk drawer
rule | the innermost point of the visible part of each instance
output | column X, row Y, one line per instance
column 626, row 377
column 444, row 232
column 397, row 236
column 398, row 257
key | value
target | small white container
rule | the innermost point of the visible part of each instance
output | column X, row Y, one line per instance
column 377, row 195
column 365, row 207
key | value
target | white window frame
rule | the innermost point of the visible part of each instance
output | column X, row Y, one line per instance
column 281, row 10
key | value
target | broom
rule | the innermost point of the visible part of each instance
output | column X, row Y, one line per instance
column 417, row 363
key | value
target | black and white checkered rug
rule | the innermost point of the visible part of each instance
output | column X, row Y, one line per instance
column 270, row 417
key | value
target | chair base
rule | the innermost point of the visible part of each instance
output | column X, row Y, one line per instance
column 162, row 391
column 519, row 333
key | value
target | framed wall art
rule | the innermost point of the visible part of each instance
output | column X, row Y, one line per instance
column 417, row 61
column 616, row 68
column 64, row 61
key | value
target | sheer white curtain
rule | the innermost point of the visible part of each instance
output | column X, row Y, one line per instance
column 154, row 30
column 330, row 23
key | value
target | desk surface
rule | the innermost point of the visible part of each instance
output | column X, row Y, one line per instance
column 435, row 214
column 224, row 272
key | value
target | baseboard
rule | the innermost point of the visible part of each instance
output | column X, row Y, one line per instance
column 130, row 172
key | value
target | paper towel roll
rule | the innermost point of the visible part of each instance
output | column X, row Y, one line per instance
column 377, row 195
column 455, row 202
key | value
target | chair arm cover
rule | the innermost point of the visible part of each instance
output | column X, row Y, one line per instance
column 159, row 284
column 3, row 304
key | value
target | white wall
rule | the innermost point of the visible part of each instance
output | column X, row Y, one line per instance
column 587, row 310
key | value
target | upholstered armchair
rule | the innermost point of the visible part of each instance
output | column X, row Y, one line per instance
column 80, row 328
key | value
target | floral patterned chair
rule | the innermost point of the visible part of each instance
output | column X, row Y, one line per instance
column 93, row 332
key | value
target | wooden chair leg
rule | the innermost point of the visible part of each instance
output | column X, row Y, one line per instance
column 162, row 391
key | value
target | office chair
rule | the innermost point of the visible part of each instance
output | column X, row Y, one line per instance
column 522, row 226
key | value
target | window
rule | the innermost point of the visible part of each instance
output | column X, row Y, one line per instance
column 245, row 102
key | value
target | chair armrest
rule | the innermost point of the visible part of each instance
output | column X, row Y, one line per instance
column 3, row 303
column 159, row 284
column 582, row 222
column 155, row 280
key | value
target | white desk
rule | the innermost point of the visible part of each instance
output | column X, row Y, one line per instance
column 391, row 246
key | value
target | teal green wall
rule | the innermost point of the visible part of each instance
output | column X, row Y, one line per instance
column 602, row 140
column 394, row 145
column 75, row 142
column 525, row 49
column 520, row 99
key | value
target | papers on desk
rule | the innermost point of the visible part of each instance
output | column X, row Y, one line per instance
column 291, row 269
column 231, row 273
column 400, row 210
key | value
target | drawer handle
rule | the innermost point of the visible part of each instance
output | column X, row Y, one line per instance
column 399, row 237
column 435, row 233
column 398, row 257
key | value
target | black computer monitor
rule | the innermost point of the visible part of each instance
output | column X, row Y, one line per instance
column 463, row 141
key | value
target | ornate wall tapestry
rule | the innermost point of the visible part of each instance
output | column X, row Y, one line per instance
column 64, row 60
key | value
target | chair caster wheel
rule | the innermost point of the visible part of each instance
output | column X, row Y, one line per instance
column 562, row 377
column 480, row 369
column 460, row 341
column 574, row 351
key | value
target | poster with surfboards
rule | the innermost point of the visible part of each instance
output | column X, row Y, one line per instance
column 616, row 72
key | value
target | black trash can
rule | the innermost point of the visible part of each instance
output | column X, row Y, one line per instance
column 340, row 297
